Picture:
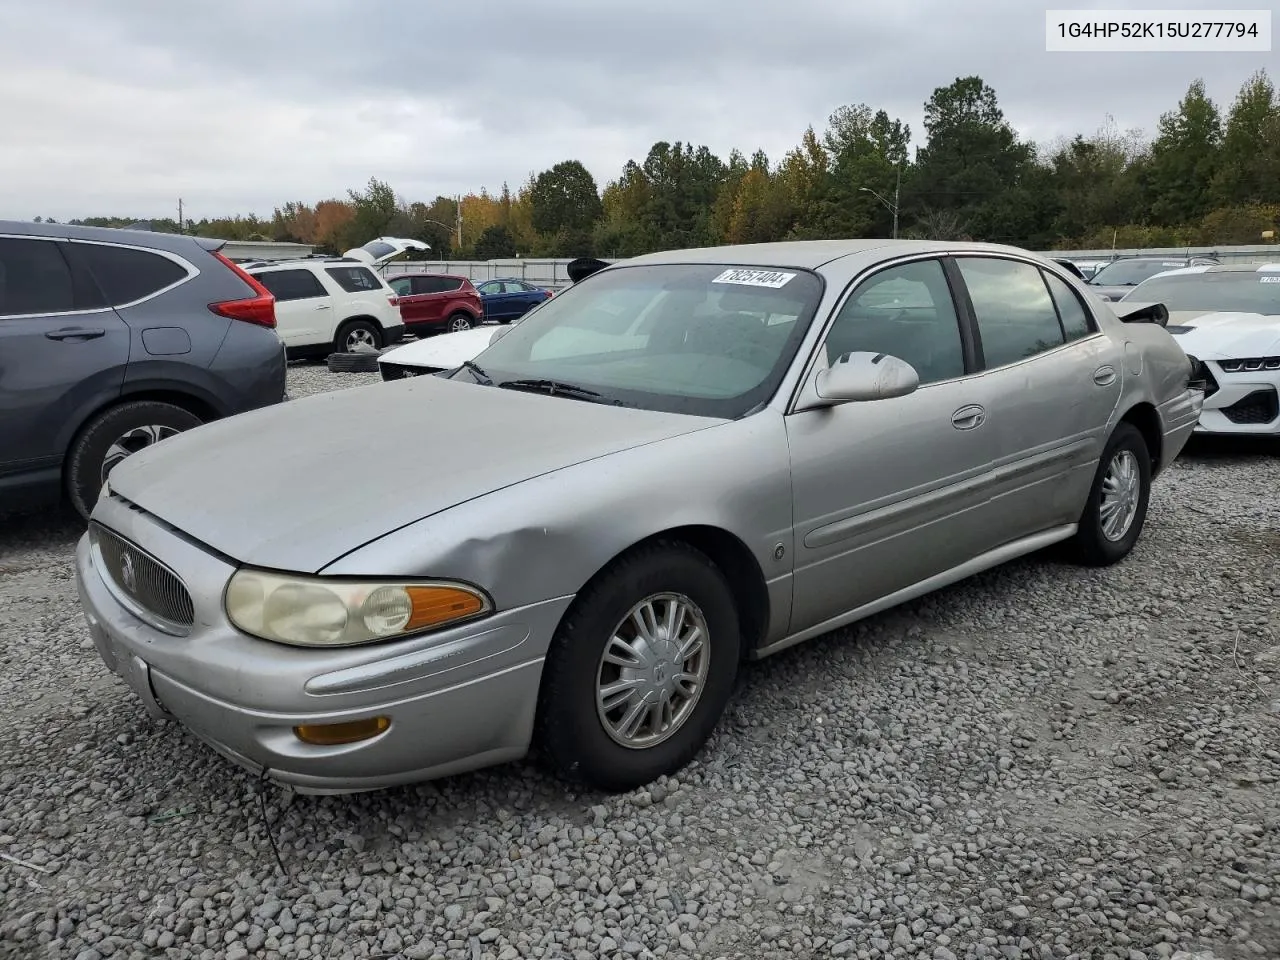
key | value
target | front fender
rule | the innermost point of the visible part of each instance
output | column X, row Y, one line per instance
column 545, row 538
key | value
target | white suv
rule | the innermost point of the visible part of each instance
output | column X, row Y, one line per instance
column 335, row 304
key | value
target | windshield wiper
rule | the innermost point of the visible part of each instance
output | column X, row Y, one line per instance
column 477, row 371
column 554, row 387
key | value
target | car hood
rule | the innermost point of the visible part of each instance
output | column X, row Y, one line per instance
column 1226, row 336
column 443, row 351
column 298, row 485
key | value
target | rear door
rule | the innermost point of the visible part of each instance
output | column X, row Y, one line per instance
column 435, row 298
column 1053, row 383
column 383, row 249
column 304, row 308
column 63, row 353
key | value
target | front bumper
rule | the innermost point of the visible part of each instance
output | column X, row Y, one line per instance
column 1241, row 403
column 457, row 700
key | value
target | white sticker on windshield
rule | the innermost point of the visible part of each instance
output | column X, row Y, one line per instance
column 1270, row 280
column 756, row 278
column 1174, row 264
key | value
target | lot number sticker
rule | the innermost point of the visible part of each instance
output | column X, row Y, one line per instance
column 755, row 278
column 1271, row 279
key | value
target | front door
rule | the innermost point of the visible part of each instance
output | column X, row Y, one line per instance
column 890, row 492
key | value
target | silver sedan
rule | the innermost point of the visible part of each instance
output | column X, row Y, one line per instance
column 572, row 542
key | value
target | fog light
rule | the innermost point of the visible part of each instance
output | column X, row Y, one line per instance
column 331, row 734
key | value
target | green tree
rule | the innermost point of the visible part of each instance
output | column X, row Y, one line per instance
column 1250, row 155
column 565, row 197
column 869, row 151
column 1184, row 159
column 972, row 155
column 496, row 243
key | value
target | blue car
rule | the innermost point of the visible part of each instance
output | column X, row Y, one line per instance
column 506, row 299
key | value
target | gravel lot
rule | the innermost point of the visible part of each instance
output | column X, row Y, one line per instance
column 1038, row 763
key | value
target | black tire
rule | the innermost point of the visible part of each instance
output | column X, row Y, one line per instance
column 353, row 362
column 354, row 331
column 1091, row 545
column 569, row 730
column 459, row 321
column 133, row 425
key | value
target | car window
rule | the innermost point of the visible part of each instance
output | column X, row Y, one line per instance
column 445, row 284
column 288, row 285
column 1228, row 291
column 126, row 275
column 1015, row 315
column 705, row 339
column 490, row 288
column 403, row 286
column 34, row 278
column 1129, row 273
column 1074, row 317
column 515, row 286
column 355, row 279
column 907, row 312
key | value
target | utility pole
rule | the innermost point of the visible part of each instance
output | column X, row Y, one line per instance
column 457, row 205
column 181, row 222
column 892, row 207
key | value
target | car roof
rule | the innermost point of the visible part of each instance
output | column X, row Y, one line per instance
column 812, row 254
column 428, row 273
column 171, row 242
column 1221, row 268
column 261, row 265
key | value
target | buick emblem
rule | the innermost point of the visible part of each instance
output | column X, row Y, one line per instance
column 128, row 575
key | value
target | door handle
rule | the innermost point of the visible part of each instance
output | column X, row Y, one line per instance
column 966, row 418
column 1104, row 376
column 323, row 306
column 76, row 333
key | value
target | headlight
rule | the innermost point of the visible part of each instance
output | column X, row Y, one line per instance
column 323, row 612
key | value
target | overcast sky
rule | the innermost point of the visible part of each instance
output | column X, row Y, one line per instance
column 120, row 107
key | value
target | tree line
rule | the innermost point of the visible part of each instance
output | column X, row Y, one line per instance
column 1208, row 176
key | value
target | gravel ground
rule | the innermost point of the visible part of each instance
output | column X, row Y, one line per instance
column 1041, row 762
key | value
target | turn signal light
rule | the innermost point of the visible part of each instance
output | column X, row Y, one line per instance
column 432, row 605
column 333, row 734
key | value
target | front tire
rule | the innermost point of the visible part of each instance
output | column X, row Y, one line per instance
column 1117, row 507
column 356, row 335
column 111, row 437
column 640, row 669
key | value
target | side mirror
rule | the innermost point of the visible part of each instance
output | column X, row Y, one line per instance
column 498, row 335
column 866, row 376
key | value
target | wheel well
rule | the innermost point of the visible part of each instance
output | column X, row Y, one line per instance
column 350, row 320
column 1144, row 417
column 740, row 569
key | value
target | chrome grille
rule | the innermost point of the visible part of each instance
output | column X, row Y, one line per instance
column 143, row 579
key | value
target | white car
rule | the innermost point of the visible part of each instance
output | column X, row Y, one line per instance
column 445, row 351
column 1228, row 318
column 336, row 304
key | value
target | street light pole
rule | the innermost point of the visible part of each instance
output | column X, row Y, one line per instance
column 892, row 207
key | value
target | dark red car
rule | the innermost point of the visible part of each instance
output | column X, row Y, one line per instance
column 437, row 302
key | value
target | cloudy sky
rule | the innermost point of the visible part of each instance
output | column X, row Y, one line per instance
column 120, row 107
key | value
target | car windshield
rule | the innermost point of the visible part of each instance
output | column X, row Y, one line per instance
column 1129, row 273
column 707, row 340
column 1228, row 292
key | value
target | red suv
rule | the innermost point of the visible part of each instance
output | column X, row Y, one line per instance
column 436, row 302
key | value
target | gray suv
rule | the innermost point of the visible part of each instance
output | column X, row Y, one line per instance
column 111, row 340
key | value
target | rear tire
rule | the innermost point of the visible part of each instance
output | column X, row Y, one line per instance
column 586, row 740
column 357, row 333
column 1117, row 507
column 111, row 437
column 459, row 321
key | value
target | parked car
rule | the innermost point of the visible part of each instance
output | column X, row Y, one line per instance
column 506, row 299
column 436, row 302
column 454, row 349
column 1120, row 276
column 112, row 340
column 1227, row 317
column 336, row 304
column 687, row 459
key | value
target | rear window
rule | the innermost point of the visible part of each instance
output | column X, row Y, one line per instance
column 355, row 279
column 292, row 284
column 1228, row 292
column 377, row 249
column 126, row 275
